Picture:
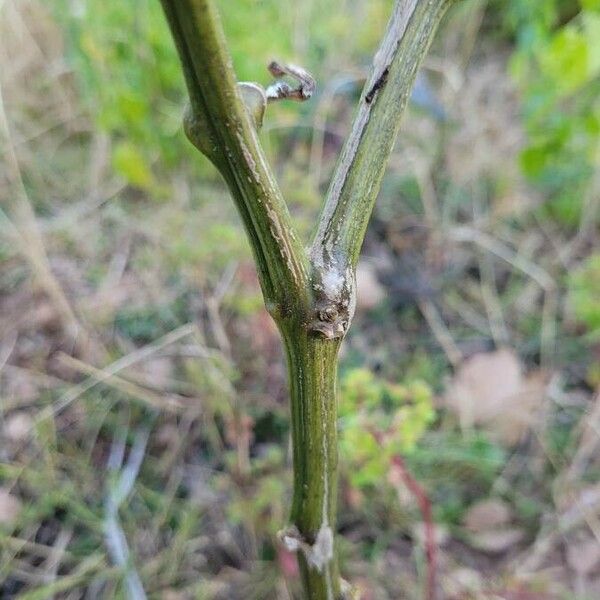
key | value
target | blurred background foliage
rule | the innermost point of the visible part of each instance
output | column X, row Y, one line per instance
column 153, row 446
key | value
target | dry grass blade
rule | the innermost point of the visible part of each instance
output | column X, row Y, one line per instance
column 24, row 228
column 123, row 363
column 169, row 403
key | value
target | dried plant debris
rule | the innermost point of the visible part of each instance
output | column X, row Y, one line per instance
column 491, row 390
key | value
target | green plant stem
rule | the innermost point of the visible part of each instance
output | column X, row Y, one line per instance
column 312, row 367
column 357, row 178
column 232, row 145
column 310, row 296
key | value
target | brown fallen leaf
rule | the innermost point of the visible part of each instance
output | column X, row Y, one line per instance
column 496, row 541
column 487, row 514
column 490, row 390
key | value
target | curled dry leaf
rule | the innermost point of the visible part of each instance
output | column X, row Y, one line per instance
column 489, row 389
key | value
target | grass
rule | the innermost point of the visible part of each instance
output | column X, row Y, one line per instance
column 176, row 363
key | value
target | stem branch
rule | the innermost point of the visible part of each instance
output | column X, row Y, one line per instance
column 357, row 178
column 222, row 128
column 312, row 297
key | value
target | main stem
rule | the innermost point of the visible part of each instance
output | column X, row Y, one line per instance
column 310, row 295
column 312, row 367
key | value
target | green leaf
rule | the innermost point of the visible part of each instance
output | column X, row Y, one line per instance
column 565, row 60
column 584, row 292
column 131, row 164
column 533, row 160
column 590, row 4
column 591, row 28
